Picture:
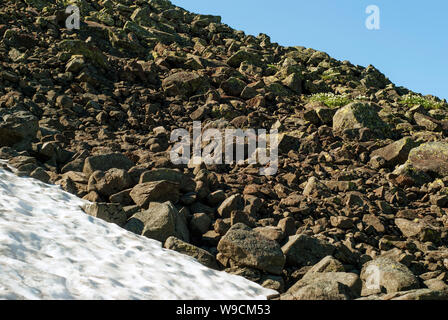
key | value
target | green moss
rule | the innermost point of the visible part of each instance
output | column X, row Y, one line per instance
column 412, row 100
column 331, row 100
column 78, row 47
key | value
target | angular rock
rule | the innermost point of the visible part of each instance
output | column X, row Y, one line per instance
column 302, row 250
column 186, row 184
column 248, row 248
column 109, row 212
column 202, row 256
column 105, row 162
column 326, row 286
column 430, row 157
column 157, row 191
column 19, row 127
column 327, row 264
column 159, row 222
column 200, row 223
column 357, row 115
column 232, row 203
column 418, row 229
column 386, row 273
column 395, row 153
column 110, row 182
column 184, row 83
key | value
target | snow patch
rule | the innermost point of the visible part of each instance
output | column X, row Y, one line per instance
column 50, row 249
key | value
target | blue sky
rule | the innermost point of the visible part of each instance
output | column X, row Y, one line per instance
column 411, row 47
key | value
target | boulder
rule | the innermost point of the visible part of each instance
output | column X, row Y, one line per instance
column 160, row 221
column 326, row 286
column 202, row 256
column 18, row 128
column 185, row 83
column 430, row 157
column 156, row 191
column 248, row 248
column 327, row 264
column 358, row 115
column 418, row 294
column 395, row 153
column 110, row 212
column 419, row 229
column 386, row 273
column 303, row 250
column 186, row 184
column 232, row 203
column 243, row 56
column 105, row 162
column 110, row 182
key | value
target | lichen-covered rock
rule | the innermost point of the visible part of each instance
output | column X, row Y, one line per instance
column 395, row 153
column 110, row 182
column 185, row 83
column 326, row 286
column 418, row 229
column 156, row 191
column 357, row 115
column 78, row 47
column 386, row 273
column 430, row 157
column 203, row 256
column 248, row 248
column 302, row 250
column 18, row 128
column 110, row 212
column 160, row 221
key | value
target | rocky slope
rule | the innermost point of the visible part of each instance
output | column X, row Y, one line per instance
column 362, row 181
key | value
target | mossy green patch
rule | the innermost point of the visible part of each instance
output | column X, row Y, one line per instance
column 331, row 100
column 412, row 100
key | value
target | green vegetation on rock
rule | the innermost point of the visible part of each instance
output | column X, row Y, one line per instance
column 331, row 100
column 412, row 100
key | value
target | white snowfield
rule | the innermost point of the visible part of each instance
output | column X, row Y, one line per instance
column 50, row 249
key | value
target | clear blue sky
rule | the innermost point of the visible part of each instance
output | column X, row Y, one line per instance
column 411, row 47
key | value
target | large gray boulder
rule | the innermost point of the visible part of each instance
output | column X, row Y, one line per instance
column 110, row 182
column 18, row 128
column 389, row 274
column 326, row 286
column 105, row 162
column 186, row 184
column 157, row 191
column 160, row 221
column 248, row 248
column 202, row 256
column 358, row 115
column 395, row 153
column 303, row 250
column 109, row 212
column 430, row 157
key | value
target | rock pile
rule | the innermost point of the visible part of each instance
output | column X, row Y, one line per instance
column 361, row 186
